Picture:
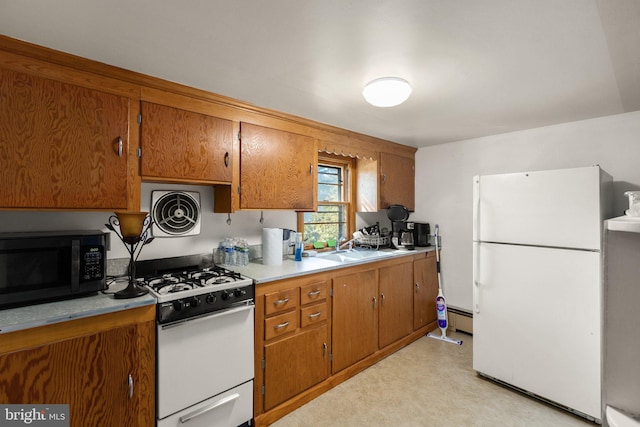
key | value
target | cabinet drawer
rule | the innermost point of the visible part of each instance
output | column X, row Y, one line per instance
column 313, row 292
column 280, row 325
column 313, row 314
column 280, row 301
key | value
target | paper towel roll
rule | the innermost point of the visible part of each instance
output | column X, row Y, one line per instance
column 272, row 246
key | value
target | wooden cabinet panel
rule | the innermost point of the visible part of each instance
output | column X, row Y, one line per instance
column 313, row 293
column 425, row 291
column 396, row 303
column 184, row 145
column 355, row 318
column 295, row 364
column 280, row 301
column 277, row 169
column 60, row 145
column 90, row 373
column 281, row 324
column 397, row 181
column 313, row 314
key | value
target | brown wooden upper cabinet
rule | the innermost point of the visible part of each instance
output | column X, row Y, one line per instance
column 397, row 181
column 385, row 182
column 185, row 146
column 277, row 169
column 65, row 138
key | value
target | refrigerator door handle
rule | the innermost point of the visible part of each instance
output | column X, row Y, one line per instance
column 476, row 208
column 476, row 277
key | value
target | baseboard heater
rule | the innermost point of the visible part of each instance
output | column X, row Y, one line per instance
column 460, row 320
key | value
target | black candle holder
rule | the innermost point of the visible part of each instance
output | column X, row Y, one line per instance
column 134, row 231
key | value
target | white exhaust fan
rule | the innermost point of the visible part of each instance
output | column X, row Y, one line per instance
column 175, row 213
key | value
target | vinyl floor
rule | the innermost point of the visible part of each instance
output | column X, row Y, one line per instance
column 428, row 383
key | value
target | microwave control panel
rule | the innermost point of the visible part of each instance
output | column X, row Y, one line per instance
column 92, row 263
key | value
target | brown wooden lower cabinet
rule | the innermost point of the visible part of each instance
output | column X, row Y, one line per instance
column 425, row 290
column 355, row 318
column 294, row 364
column 316, row 331
column 102, row 366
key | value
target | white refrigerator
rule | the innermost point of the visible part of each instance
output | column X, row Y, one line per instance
column 537, row 285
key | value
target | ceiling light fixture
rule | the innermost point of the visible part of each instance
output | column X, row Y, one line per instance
column 386, row 91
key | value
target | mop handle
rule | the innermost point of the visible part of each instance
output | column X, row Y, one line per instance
column 437, row 249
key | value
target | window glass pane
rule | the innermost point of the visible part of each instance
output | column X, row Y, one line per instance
column 329, row 193
column 329, row 223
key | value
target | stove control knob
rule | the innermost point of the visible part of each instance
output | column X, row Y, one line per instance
column 239, row 293
column 178, row 305
column 225, row 295
column 211, row 299
column 195, row 301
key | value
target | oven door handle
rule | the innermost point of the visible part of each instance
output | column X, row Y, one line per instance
column 209, row 317
column 211, row 407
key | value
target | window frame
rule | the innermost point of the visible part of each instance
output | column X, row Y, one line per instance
column 348, row 165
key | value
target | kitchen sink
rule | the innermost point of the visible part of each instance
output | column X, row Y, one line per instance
column 353, row 255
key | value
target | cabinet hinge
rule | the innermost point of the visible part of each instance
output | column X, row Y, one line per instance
column 238, row 189
column 139, row 152
column 239, row 136
column 262, row 389
column 139, row 118
column 331, row 292
column 263, row 364
column 330, row 357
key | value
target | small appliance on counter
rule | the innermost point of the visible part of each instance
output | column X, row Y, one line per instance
column 51, row 265
column 421, row 233
column 401, row 233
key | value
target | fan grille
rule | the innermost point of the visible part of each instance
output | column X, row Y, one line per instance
column 176, row 213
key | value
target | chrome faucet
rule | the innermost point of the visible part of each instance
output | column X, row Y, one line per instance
column 341, row 244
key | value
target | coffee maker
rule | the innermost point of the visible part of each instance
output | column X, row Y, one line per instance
column 401, row 230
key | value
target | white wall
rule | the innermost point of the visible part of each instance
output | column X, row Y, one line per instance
column 213, row 227
column 444, row 178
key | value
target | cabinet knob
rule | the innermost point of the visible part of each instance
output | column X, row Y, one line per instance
column 382, row 299
column 375, row 300
column 417, row 287
column 324, row 350
column 310, row 169
column 313, row 293
column 281, row 301
column 227, row 159
column 314, row 315
column 120, row 146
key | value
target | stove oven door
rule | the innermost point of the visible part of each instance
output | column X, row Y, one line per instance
column 200, row 358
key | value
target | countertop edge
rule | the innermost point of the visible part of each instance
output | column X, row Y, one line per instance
column 32, row 316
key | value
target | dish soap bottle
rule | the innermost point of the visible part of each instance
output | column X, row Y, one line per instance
column 298, row 248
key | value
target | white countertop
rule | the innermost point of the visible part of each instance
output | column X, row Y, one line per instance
column 15, row 319
column 309, row 265
column 629, row 224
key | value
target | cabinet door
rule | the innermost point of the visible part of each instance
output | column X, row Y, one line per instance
column 90, row 373
column 62, row 146
column 355, row 318
column 294, row 364
column 396, row 303
column 183, row 145
column 425, row 291
column 278, row 169
column 397, row 181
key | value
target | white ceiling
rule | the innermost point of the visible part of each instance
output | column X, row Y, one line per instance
column 477, row 67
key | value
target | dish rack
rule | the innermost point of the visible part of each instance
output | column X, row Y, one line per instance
column 373, row 241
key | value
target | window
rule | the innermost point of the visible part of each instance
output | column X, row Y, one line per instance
column 333, row 219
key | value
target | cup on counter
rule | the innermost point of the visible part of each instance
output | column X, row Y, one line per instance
column 298, row 248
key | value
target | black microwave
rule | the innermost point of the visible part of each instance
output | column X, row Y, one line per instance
column 44, row 266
